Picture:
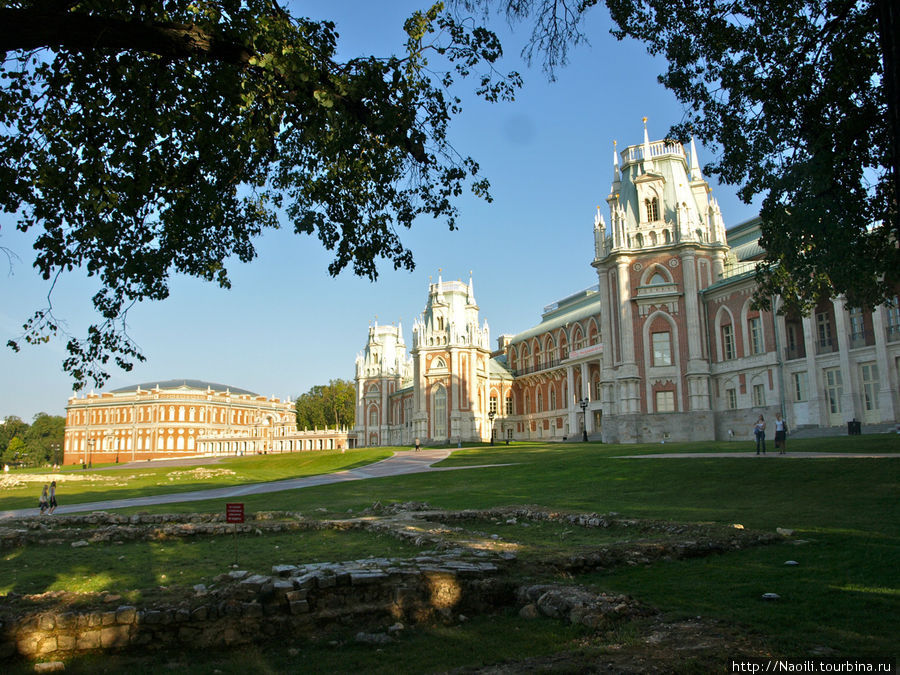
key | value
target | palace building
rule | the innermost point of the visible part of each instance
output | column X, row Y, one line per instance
column 666, row 345
column 180, row 418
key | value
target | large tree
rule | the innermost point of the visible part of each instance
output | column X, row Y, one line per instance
column 139, row 139
column 799, row 97
column 330, row 405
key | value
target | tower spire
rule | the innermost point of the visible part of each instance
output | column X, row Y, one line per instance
column 616, row 175
column 695, row 164
column 648, row 161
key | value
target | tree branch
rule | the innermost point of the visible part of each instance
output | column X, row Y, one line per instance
column 24, row 29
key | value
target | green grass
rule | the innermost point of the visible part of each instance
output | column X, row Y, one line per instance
column 79, row 487
column 843, row 595
column 120, row 568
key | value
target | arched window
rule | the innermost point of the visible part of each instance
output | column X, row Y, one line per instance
column 440, row 412
column 540, row 402
column 552, row 398
column 638, row 240
column 652, row 206
column 181, row 413
column 373, row 416
column 658, row 279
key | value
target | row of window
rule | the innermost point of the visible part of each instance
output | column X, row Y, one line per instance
column 125, row 415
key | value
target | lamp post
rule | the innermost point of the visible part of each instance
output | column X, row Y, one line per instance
column 90, row 445
column 584, row 405
column 491, row 418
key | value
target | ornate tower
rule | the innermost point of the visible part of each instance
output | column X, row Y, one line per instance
column 382, row 369
column 665, row 243
column 451, row 355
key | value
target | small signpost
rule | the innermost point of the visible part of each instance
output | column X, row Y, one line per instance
column 234, row 513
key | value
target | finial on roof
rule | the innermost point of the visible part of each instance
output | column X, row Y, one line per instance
column 647, row 159
column 615, row 161
column 695, row 165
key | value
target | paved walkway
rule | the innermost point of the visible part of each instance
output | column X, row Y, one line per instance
column 741, row 455
column 401, row 463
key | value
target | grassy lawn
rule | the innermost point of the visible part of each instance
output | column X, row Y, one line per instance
column 79, row 487
column 840, row 599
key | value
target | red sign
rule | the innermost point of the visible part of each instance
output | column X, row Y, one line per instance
column 234, row 513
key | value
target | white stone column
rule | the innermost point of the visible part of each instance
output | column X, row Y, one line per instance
column 626, row 323
column 815, row 387
column 887, row 376
column 850, row 404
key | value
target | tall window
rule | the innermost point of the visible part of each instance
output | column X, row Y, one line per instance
column 492, row 405
column 509, row 405
column 869, row 373
column 834, row 389
column 440, row 413
column 731, row 395
column 552, row 398
column 754, row 330
column 857, row 326
column 652, row 206
column 823, row 329
column 373, row 416
column 893, row 318
column 665, row 401
column 799, row 380
column 727, row 342
column 759, row 395
column 662, row 349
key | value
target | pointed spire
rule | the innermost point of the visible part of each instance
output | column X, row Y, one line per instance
column 695, row 165
column 616, row 176
column 471, row 290
column 648, row 161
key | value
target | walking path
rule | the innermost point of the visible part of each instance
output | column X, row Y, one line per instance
column 401, row 463
column 740, row 455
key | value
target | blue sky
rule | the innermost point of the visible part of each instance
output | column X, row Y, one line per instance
column 286, row 325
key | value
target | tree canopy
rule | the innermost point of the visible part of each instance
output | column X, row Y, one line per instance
column 799, row 99
column 331, row 405
column 143, row 139
column 35, row 444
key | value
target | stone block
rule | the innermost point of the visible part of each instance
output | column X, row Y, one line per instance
column 66, row 620
column 88, row 640
column 299, row 607
column 47, row 645
column 251, row 610
column 27, row 646
column 114, row 636
column 152, row 617
column 293, row 596
column 108, row 619
column 50, row 667
column 47, row 622
column 65, row 642
column 125, row 615
column 199, row 613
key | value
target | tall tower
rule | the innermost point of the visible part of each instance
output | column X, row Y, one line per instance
column 382, row 369
column 451, row 355
column 665, row 243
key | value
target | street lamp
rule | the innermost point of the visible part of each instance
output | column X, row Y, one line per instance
column 90, row 452
column 584, row 405
column 491, row 418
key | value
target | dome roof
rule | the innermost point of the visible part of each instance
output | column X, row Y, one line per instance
column 186, row 384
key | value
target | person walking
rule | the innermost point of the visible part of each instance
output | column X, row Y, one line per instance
column 44, row 502
column 759, row 431
column 52, row 500
column 780, row 434
column 418, row 445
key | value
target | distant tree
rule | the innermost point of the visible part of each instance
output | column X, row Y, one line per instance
column 146, row 138
column 331, row 405
column 44, row 439
column 12, row 426
column 800, row 97
column 15, row 451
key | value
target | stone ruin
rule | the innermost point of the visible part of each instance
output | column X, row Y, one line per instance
column 451, row 579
